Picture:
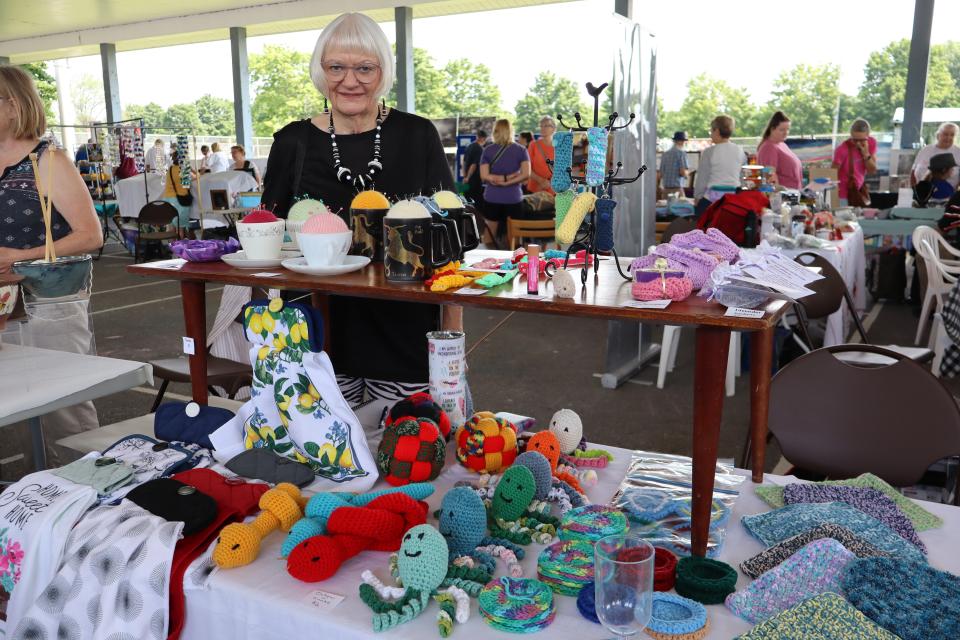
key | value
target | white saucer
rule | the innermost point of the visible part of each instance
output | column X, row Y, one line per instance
column 240, row 260
column 350, row 263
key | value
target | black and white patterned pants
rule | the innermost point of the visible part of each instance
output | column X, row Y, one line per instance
column 356, row 391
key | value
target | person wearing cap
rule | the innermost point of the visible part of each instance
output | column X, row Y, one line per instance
column 936, row 186
column 673, row 165
column 946, row 135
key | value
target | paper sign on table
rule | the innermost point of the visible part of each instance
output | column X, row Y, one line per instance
column 470, row 291
column 323, row 600
column 175, row 263
column 739, row 312
column 648, row 304
column 529, row 296
column 268, row 274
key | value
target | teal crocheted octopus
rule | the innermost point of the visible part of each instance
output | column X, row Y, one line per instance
column 422, row 568
column 463, row 522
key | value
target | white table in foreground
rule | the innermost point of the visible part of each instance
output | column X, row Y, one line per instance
column 38, row 381
column 263, row 601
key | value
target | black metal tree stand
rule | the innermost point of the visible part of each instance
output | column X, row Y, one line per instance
column 586, row 237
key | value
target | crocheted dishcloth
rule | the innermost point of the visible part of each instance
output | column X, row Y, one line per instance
column 566, row 565
column 518, row 605
column 775, row 526
column 825, row 617
column 562, row 160
column 695, row 264
column 770, row 558
column 713, row 241
column 539, row 466
column 704, row 580
column 814, row 569
column 922, row 519
column 674, row 616
column 587, row 602
column 664, row 569
column 914, row 601
column 676, row 289
column 592, row 522
column 871, row 501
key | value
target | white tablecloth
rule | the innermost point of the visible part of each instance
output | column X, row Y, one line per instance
column 130, row 194
column 262, row 601
column 849, row 258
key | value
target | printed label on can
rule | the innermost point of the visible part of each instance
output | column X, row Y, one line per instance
column 448, row 378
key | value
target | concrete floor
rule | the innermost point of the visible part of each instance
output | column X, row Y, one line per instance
column 524, row 363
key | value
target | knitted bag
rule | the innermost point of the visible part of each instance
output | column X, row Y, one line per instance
column 596, row 156
column 695, row 264
column 486, row 443
column 296, row 408
column 773, row 556
column 562, row 161
column 825, row 617
column 813, row 570
column 776, row 526
column 914, row 601
column 412, row 450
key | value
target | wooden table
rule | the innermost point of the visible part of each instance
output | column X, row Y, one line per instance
column 600, row 298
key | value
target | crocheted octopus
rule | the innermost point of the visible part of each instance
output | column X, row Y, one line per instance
column 463, row 522
column 421, row 568
column 568, row 427
column 546, row 443
column 509, row 516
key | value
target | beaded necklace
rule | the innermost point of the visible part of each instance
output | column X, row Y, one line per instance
column 344, row 175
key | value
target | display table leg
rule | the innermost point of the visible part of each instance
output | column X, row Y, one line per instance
column 321, row 301
column 39, row 448
column 709, row 378
column 194, row 297
column 761, row 364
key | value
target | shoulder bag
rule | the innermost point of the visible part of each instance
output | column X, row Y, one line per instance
column 856, row 196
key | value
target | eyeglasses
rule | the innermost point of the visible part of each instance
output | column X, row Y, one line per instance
column 365, row 73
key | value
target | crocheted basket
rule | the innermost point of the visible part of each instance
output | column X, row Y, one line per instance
column 412, row 450
column 486, row 443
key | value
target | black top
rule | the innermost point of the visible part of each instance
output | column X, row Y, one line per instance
column 378, row 339
column 21, row 225
column 472, row 155
column 248, row 168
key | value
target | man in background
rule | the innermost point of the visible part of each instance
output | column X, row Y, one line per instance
column 673, row 165
column 471, row 169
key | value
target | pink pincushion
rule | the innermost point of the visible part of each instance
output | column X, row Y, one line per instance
column 259, row 215
column 324, row 223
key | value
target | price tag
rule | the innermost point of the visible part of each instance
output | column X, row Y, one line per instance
column 738, row 312
column 648, row 304
column 175, row 263
column 188, row 347
column 470, row 291
column 323, row 600
column 268, row 274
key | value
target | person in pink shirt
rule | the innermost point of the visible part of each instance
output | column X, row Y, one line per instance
column 862, row 147
column 774, row 152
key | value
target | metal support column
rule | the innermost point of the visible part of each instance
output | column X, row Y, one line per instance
column 243, row 122
column 4, row 60
column 111, row 82
column 917, row 74
column 406, row 97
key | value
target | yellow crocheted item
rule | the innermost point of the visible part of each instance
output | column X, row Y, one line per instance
column 370, row 200
column 239, row 543
column 452, row 281
column 582, row 204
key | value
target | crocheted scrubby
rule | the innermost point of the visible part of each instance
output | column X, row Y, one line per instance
column 775, row 526
column 812, row 570
column 592, row 522
column 562, row 160
column 871, row 501
column 704, row 580
column 674, row 617
column 664, row 570
column 566, row 565
column 519, row 605
column 587, row 602
column 914, row 601
column 922, row 519
column 773, row 556
column 539, row 466
column 825, row 617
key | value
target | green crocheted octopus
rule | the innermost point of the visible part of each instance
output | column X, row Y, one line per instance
column 510, row 516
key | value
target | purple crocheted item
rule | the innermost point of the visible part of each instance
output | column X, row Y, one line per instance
column 816, row 568
column 713, row 241
column 695, row 264
column 871, row 501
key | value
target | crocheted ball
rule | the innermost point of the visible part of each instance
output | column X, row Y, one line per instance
column 422, row 559
column 674, row 617
column 514, row 493
column 546, row 443
column 412, row 450
column 587, row 603
column 592, row 522
column 568, row 427
column 911, row 599
column 704, row 580
column 540, row 468
column 463, row 520
column 486, row 443
column 420, row 405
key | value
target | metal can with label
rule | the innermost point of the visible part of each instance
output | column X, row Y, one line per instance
column 448, row 373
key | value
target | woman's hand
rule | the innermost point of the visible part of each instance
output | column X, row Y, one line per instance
column 8, row 257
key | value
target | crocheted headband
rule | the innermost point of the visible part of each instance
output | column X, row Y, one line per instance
column 813, row 570
column 806, row 622
column 674, row 617
column 773, row 556
column 704, row 580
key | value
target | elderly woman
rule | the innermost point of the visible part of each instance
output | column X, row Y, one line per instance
column 774, row 152
column 859, row 151
column 946, row 137
column 240, row 163
column 75, row 227
column 504, row 166
column 540, row 151
column 719, row 164
column 378, row 346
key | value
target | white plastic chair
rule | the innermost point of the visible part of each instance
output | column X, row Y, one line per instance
column 668, row 357
column 939, row 343
column 941, row 276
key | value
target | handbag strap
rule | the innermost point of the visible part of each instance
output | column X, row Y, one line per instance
column 851, row 176
column 298, row 168
column 498, row 155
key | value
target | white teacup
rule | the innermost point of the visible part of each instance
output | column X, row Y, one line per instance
column 261, row 240
column 324, row 249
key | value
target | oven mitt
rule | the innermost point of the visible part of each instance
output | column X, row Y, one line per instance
column 264, row 464
column 104, row 474
column 175, row 501
column 149, row 458
column 189, row 422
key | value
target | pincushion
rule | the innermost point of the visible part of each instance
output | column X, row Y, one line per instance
column 324, row 223
column 408, row 209
column 303, row 209
column 370, row 200
column 486, row 443
column 447, row 200
column 420, row 405
column 412, row 450
column 259, row 215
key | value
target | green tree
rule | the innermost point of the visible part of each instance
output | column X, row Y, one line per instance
column 430, row 92
column 550, row 95
column 182, row 117
column 152, row 114
column 216, row 116
column 280, row 79
column 87, row 96
column 46, row 86
column 470, row 90
column 808, row 94
column 707, row 98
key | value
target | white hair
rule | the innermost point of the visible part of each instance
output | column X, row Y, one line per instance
column 948, row 125
column 357, row 33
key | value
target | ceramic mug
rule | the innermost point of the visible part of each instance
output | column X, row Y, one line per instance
column 367, row 226
column 466, row 228
column 413, row 248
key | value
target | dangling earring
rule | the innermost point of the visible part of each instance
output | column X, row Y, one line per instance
column 325, row 109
